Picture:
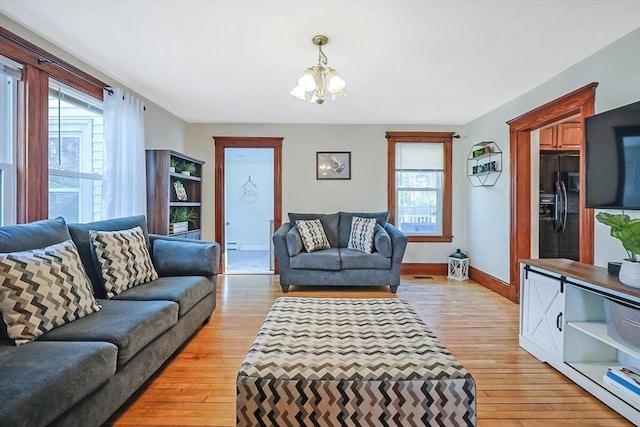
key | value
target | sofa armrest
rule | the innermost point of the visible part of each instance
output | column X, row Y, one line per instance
column 173, row 256
column 398, row 243
column 280, row 246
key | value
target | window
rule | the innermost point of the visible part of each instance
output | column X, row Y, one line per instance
column 419, row 193
column 75, row 155
column 9, row 77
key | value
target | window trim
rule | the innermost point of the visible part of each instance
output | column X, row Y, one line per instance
column 33, row 93
column 445, row 138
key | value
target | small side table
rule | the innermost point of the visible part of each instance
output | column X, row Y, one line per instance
column 458, row 268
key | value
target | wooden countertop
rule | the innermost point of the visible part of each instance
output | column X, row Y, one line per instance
column 584, row 272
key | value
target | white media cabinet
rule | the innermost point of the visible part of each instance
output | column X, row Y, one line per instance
column 563, row 323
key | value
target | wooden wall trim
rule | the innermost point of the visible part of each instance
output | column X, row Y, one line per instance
column 418, row 269
column 25, row 52
column 490, row 282
column 32, row 151
column 579, row 102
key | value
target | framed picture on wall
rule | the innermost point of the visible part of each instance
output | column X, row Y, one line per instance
column 333, row 165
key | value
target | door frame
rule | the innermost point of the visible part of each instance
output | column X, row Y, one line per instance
column 222, row 142
column 580, row 102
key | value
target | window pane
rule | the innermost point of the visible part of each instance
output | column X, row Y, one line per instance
column 419, row 212
column 8, row 115
column 75, row 155
column 419, row 179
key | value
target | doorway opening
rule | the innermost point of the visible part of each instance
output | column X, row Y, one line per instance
column 579, row 104
column 248, row 200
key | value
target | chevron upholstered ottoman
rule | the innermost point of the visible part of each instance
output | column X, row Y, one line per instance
column 351, row 362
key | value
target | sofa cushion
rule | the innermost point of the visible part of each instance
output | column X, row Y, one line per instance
column 42, row 380
column 80, row 235
column 382, row 242
column 361, row 236
column 187, row 291
column 345, row 223
column 294, row 241
column 329, row 224
column 124, row 259
column 130, row 325
column 357, row 260
column 43, row 289
column 185, row 257
column 38, row 234
column 312, row 235
column 326, row 259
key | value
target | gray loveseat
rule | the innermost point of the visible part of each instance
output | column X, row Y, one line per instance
column 80, row 373
column 339, row 266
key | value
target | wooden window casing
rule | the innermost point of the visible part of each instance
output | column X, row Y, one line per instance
column 33, row 115
column 445, row 138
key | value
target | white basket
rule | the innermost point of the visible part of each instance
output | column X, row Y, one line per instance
column 179, row 227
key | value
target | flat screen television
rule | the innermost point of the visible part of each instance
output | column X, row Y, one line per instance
column 613, row 158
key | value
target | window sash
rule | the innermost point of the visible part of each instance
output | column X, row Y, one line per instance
column 75, row 130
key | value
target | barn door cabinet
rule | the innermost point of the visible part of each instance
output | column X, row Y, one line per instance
column 565, row 321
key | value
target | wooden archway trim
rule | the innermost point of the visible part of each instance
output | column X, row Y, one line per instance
column 580, row 102
column 222, row 142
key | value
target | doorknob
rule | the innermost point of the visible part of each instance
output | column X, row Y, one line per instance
column 226, row 223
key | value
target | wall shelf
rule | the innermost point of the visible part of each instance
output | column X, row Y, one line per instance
column 162, row 194
column 484, row 164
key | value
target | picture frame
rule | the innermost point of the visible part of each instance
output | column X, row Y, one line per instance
column 181, row 192
column 333, row 165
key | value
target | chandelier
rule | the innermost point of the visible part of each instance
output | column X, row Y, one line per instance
column 319, row 79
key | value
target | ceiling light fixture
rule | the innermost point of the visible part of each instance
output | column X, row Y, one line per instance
column 320, row 78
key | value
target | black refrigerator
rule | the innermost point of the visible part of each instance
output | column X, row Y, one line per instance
column 559, row 208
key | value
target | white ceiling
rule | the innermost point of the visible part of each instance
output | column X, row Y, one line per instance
column 413, row 62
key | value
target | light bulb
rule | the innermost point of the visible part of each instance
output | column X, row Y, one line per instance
column 307, row 82
column 299, row 93
column 338, row 95
column 336, row 84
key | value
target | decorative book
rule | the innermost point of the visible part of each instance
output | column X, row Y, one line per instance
column 624, row 379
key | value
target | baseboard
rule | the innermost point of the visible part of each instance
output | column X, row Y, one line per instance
column 420, row 268
column 490, row 282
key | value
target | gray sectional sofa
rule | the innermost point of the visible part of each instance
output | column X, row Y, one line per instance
column 80, row 373
column 340, row 266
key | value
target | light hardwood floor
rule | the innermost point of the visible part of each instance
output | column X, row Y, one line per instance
column 197, row 387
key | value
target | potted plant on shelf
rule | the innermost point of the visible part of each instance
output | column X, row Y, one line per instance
column 188, row 168
column 179, row 219
column 174, row 165
column 626, row 230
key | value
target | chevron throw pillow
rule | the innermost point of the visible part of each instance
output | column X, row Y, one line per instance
column 361, row 236
column 312, row 235
column 124, row 259
column 42, row 289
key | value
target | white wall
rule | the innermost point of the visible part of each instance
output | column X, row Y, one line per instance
column 301, row 192
column 248, row 221
column 617, row 69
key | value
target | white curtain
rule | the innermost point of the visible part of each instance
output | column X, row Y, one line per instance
column 124, row 188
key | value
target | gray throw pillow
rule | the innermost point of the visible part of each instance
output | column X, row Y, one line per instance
column 382, row 242
column 124, row 259
column 312, row 235
column 294, row 242
column 345, row 224
column 361, row 237
column 43, row 289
